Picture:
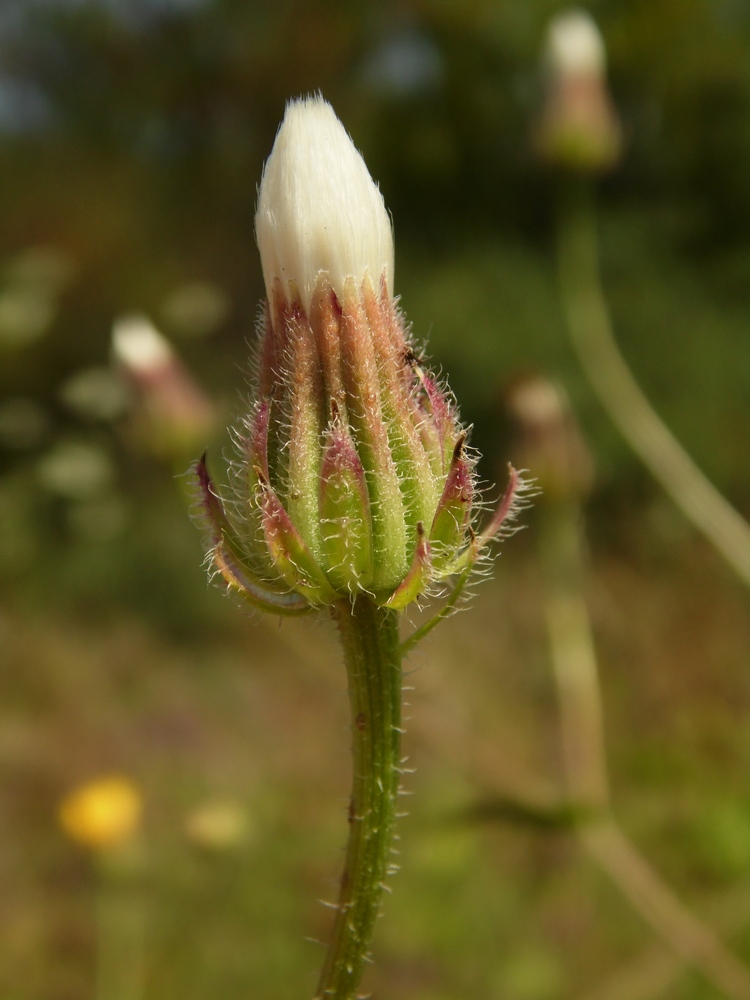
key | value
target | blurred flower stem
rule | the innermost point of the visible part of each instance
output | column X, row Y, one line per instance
column 573, row 655
column 120, row 916
column 654, row 971
column 590, row 329
column 370, row 640
column 104, row 817
column 692, row 939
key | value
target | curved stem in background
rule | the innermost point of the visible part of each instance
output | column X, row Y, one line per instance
column 582, row 729
column 573, row 656
column 654, row 971
column 369, row 636
column 591, row 331
column 692, row 939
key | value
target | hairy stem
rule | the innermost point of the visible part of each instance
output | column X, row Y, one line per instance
column 369, row 635
column 591, row 331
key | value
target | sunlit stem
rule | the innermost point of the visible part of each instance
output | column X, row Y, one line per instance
column 577, row 678
column 591, row 331
column 369, row 635
column 573, row 655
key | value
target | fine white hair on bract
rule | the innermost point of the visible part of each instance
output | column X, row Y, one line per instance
column 575, row 44
column 319, row 209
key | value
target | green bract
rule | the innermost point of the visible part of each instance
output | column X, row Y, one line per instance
column 353, row 473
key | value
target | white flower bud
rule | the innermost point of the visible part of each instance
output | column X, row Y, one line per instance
column 138, row 346
column 575, row 45
column 318, row 208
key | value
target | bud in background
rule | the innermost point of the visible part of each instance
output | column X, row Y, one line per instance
column 578, row 128
column 173, row 415
column 353, row 474
column 548, row 439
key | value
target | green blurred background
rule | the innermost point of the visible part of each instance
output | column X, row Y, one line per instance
column 132, row 137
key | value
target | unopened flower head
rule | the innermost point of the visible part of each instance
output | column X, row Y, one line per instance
column 578, row 129
column 353, row 472
column 172, row 412
column 548, row 438
column 575, row 45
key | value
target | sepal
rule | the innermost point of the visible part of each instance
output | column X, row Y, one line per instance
column 291, row 557
column 442, row 424
column 345, row 521
column 237, row 578
column 418, row 577
column 225, row 555
column 454, row 508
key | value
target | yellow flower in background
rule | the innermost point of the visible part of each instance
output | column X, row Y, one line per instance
column 103, row 813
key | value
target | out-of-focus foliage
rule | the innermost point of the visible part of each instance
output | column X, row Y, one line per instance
column 132, row 137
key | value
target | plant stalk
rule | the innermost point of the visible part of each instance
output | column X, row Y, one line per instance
column 582, row 725
column 120, row 928
column 370, row 639
column 573, row 655
column 590, row 328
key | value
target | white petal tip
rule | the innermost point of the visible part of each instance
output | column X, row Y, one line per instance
column 318, row 208
column 575, row 44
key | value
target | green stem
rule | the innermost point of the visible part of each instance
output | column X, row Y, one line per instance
column 573, row 653
column 120, row 930
column 577, row 678
column 369, row 635
column 418, row 634
column 591, row 331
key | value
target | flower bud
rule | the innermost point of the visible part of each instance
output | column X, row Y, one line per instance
column 578, row 128
column 172, row 412
column 353, row 475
